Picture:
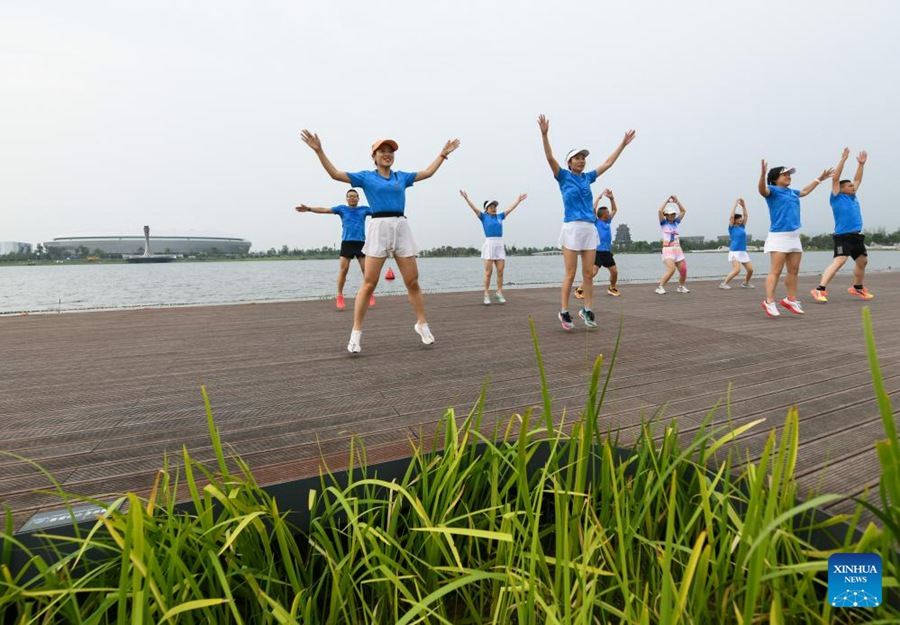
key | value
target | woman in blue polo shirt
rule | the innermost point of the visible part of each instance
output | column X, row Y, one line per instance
column 387, row 232
column 492, row 251
column 579, row 235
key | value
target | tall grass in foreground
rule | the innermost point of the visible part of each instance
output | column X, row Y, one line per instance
column 537, row 527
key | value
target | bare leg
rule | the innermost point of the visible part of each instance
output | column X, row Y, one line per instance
column 859, row 272
column 488, row 269
column 342, row 274
column 735, row 270
column 792, row 264
column 570, row 257
column 749, row 267
column 833, row 268
column 682, row 272
column 500, row 265
column 613, row 276
column 410, row 272
column 587, row 276
column 777, row 260
column 371, row 273
column 362, row 264
column 668, row 273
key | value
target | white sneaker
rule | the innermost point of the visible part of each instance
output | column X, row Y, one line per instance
column 487, row 300
column 771, row 309
column 353, row 346
column 423, row 331
column 683, row 289
column 747, row 285
column 724, row 286
column 660, row 290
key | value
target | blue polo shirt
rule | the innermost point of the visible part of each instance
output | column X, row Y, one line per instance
column 492, row 224
column 578, row 200
column 738, row 236
column 784, row 209
column 353, row 221
column 847, row 216
column 385, row 195
column 604, row 229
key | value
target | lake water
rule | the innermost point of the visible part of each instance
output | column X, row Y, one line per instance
column 64, row 287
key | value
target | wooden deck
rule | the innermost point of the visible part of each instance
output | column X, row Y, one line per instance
column 98, row 398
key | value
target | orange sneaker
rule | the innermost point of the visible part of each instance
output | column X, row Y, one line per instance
column 579, row 293
column 819, row 296
column 860, row 293
column 340, row 302
column 371, row 300
column 613, row 291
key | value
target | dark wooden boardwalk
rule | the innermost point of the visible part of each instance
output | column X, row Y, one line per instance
column 98, row 398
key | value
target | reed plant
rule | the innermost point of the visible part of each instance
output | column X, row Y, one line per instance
column 534, row 520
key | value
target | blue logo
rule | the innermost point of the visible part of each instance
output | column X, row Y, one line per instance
column 854, row 580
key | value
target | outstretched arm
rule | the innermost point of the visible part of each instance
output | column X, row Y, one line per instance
column 321, row 210
column 612, row 158
column 513, row 206
column 825, row 175
column 544, row 125
column 469, row 202
column 836, row 176
column 861, row 161
column 429, row 171
column 763, row 187
column 613, row 209
column 312, row 140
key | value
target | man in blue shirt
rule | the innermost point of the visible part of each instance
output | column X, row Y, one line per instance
column 353, row 237
column 848, row 237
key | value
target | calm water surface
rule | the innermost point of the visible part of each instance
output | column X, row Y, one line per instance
column 95, row 287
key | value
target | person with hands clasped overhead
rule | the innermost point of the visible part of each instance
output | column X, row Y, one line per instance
column 353, row 237
column 737, row 246
column 848, row 237
column 604, row 256
column 672, row 254
column 578, row 238
column 783, row 241
column 492, row 251
column 388, row 232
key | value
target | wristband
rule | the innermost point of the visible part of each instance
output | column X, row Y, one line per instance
column 444, row 156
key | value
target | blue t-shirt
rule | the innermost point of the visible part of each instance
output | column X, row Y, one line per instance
column 784, row 209
column 353, row 221
column 604, row 229
column 385, row 195
column 738, row 236
column 669, row 230
column 576, row 192
column 492, row 224
column 847, row 216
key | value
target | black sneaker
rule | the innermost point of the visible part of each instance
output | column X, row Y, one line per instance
column 566, row 319
column 588, row 317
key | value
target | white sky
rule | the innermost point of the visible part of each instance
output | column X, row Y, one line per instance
column 186, row 115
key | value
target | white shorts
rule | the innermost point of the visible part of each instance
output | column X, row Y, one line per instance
column 579, row 236
column 674, row 253
column 493, row 249
column 389, row 236
column 783, row 242
column 741, row 257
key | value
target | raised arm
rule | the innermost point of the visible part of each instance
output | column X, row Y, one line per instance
column 825, row 175
column 544, row 125
column 612, row 158
column 321, row 210
column 763, row 187
column 512, row 207
column 681, row 209
column 662, row 207
column 429, row 171
column 743, row 205
column 465, row 196
column 836, row 176
column 860, row 162
column 312, row 140
column 613, row 209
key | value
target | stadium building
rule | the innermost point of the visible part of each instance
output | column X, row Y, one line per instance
column 158, row 245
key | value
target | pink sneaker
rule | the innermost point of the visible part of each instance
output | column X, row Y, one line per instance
column 792, row 305
column 340, row 302
column 371, row 300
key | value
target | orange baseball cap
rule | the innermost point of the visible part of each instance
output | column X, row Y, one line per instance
column 382, row 142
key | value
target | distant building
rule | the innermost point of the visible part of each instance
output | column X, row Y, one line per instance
column 695, row 239
column 14, row 247
column 158, row 245
column 623, row 235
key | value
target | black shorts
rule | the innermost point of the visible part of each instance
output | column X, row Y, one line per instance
column 604, row 259
column 352, row 249
column 852, row 245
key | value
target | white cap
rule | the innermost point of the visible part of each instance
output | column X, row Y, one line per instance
column 670, row 210
column 576, row 152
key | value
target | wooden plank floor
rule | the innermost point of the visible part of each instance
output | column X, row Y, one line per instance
column 98, row 398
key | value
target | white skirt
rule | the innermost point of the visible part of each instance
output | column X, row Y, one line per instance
column 493, row 249
column 579, row 236
column 389, row 236
column 783, row 242
column 741, row 257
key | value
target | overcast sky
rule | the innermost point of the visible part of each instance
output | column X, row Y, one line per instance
column 186, row 115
